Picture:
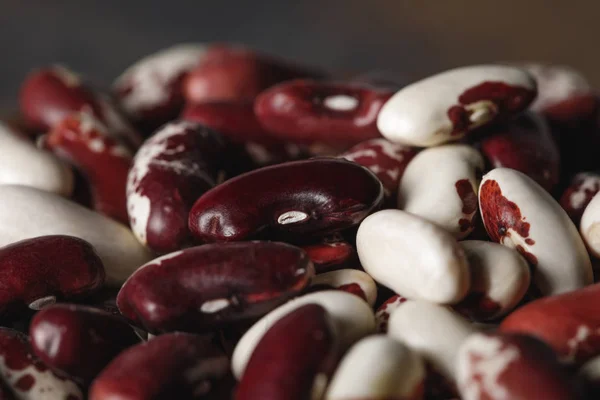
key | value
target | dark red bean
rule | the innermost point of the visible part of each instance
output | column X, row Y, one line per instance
column 576, row 127
column 234, row 119
column 330, row 256
column 27, row 376
column 569, row 322
column 237, row 122
column 292, row 358
column 78, row 341
column 171, row 366
column 525, row 144
column 171, row 170
column 207, row 287
column 332, row 113
column 301, row 198
column 237, row 73
column 50, row 94
column 38, row 271
column 86, row 143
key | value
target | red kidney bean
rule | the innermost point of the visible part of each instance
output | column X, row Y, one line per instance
column 26, row 376
column 150, row 90
column 84, row 141
column 333, row 113
column 568, row 322
column 78, row 341
column 170, row 171
column 294, row 358
column 496, row 366
column 171, row 366
column 296, row 198
column 237, row 74
column 331, row 256
column 206, row 287
column 382, row 315
column 385, row 159
column 36, row 272
column 50, row 94
column 525, row 144
column 579, row 193
column 236, row 121
column 576, row 127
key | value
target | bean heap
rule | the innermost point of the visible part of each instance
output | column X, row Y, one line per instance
column 224, row 224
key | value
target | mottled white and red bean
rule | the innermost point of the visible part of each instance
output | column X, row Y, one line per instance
column 440, row 185
column 520, row 214
column 448, row 105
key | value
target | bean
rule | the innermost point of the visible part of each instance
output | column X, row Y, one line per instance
column 62, row 333
column 448, row 105
column 24, row 164
column 519, row 213
column 36, row 272
column 300, row 198
column 293, row 359
column 180, row 162
column 413, row 257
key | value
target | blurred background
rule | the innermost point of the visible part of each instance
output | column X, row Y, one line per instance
column 411, row 39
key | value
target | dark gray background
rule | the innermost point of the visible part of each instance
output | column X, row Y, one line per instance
column 412, row 38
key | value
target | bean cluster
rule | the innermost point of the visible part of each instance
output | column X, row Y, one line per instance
column 225, row 224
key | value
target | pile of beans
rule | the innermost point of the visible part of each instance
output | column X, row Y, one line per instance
column 224, row 224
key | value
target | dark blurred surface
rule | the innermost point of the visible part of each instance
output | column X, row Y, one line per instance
column 101, row 37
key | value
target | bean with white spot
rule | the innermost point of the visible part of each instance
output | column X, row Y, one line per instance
column 581, row 190
column 492, row 366
column 568, row 322
column 311, row 111
column 150, row 90
column 170, row 171
column 84, row 141
column 216, row 285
